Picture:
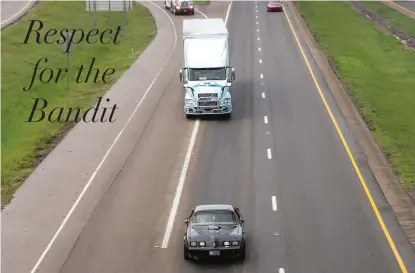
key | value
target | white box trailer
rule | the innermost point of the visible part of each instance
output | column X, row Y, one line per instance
column 206, row 73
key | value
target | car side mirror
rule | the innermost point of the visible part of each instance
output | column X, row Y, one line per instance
column 242, row 220
column 186, row 221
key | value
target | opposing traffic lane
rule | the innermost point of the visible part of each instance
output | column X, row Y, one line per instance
column 329, row 224
column 322, row 220
column 409, row 5
column 12, row 10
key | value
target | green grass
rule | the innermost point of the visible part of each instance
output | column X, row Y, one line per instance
column 394, row 17
column 23, row 142
column 201, row 2
column 379, row 74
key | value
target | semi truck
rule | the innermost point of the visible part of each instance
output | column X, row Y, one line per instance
column 206, row 74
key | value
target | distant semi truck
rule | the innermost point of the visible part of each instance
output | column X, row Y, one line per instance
column 207, row 75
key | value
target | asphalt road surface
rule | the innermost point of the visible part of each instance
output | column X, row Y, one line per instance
column 10, row 10
column 280, row 142
column 409, row 5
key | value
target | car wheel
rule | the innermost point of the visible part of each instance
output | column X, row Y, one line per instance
column 242, row 253
column 185, row 253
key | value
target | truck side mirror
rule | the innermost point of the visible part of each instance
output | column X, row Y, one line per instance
column 183, row 75
column 231, row 74
column 186, row 221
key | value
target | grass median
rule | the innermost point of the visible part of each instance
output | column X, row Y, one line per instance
column 394, row 17
column 201, row 2
column 25, row 143
column 379, row 74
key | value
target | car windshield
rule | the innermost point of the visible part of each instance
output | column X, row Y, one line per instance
column 184, row 3
column 217, row 216
column 207, row 74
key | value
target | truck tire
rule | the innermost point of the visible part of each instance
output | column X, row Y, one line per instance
column 227, row 116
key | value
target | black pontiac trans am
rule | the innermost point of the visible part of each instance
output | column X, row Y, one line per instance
column 214, row 231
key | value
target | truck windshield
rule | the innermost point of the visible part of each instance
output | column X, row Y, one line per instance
column 207, row 74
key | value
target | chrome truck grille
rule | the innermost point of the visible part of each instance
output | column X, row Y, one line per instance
column 208, row 100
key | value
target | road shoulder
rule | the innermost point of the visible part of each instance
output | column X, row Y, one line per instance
column 398, row 199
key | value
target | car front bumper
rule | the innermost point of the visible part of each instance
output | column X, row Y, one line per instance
column 224, row 252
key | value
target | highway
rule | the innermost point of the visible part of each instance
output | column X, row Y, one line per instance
column 280, row 142
column 409, row 5
column 11, row 10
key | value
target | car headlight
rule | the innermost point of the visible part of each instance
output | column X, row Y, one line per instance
column 235, row 243
column 191, row 6
column 202, row 244
column 178, row 7
column 226, row 243
column 192, row 243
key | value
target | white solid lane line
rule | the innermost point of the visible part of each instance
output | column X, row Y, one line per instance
column 91, row 179
column 265, row 119
column 180, row 186
column 274, row 203
column 263, row 95
column 182, row 179
column 269, row 154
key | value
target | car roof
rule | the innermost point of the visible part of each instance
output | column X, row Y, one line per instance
column 214, row 207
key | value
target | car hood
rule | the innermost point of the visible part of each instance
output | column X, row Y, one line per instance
column 212, row 231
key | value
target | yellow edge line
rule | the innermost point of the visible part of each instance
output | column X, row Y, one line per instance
column 410, row 11
column 362, row 181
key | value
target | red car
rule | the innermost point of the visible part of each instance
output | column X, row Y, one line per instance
column 274, row 6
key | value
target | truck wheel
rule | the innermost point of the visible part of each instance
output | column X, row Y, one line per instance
column 227, row 116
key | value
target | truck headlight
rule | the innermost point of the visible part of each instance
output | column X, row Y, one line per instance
column 235, row 243
column 226, row 243
column 193, row 244
column 227, row 101
column 189, row 103
column 202, row 244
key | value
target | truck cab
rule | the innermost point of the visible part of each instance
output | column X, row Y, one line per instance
column 207, row 75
